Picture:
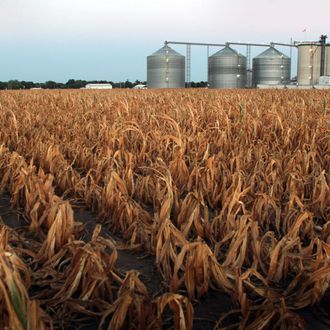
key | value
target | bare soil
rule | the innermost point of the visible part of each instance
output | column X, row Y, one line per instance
column 206, row 311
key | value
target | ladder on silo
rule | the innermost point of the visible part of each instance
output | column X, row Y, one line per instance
column 188, row 65
column 248, row 57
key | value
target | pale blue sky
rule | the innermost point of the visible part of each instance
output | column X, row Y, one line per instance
column 103, row 39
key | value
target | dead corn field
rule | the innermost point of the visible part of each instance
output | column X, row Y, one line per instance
column 164, row 209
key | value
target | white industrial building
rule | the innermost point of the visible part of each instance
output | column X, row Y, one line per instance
column 98, row 86
column 140, row 86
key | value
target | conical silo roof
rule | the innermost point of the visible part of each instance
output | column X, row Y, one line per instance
column 166, row 50
column 225, row 52
column 271, row 52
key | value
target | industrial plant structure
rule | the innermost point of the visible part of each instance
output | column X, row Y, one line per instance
column 228, row 69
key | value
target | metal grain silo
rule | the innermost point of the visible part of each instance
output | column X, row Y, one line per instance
column 227, row 69
column 271, row 67
column 309, row 63
column 166, row 69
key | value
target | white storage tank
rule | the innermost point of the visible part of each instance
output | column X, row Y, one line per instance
column 309, row 63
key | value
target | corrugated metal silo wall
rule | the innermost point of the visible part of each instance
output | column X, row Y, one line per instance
column 271, row 68
column 166, row 71
column 227, row 71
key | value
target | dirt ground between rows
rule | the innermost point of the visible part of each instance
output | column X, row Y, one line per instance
column 206, row 311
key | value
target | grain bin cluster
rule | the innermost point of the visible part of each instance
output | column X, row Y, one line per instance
column 227, row 68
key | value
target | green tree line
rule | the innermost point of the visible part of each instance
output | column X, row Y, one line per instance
column 76, row 84
column 70, row 84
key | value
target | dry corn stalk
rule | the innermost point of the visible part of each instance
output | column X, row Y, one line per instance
column 132, row 307
column 200, row 269
column 256, row 190
column 181, row 308
column 60, row 232
column 16, row 309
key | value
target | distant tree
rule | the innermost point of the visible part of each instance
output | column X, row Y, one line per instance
column 200, row 84
column 71, row 83
column 28, row 84
column 119, row 84
column 128, row 84
column 3, row 85
column 14, row 84
column 52, row 85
